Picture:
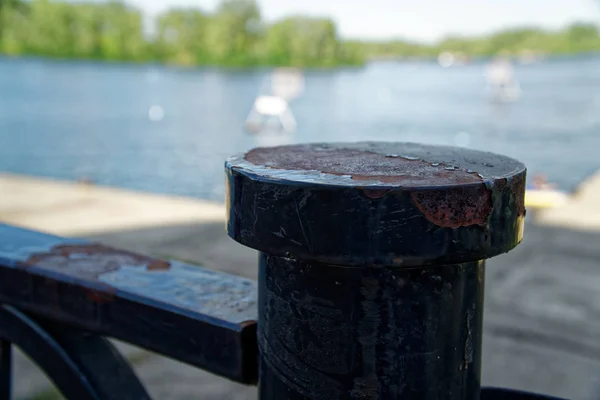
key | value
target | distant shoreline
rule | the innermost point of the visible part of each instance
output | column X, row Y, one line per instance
column 209, row 67
column 182, row 67
column 234, row 36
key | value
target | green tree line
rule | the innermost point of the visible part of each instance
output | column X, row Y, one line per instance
column 576, row 38
column 235, row 35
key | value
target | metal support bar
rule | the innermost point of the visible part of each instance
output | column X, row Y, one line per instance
column 510, row 394
column 324, row 329
column 5, row 370
column 371, row 270
column 47, row 353
column 82, row 366
column 201, row 317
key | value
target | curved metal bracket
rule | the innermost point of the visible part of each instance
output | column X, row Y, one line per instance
column 492, row 393
column 82, row 366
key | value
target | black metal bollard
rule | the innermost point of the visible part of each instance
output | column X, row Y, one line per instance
column 372, row 264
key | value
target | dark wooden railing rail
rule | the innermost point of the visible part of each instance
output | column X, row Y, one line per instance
column 371, row 279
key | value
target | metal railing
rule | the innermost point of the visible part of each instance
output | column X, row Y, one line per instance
column 371, row 278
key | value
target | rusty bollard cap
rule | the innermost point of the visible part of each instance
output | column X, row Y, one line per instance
column 375, row 203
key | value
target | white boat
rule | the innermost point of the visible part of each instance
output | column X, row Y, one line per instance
column 272, row 106
column 502, row 81
column 268, row 109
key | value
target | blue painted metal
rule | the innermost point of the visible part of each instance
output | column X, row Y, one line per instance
column 138, row 299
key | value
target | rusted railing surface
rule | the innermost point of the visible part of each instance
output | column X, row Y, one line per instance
column 371, row 280
column 197, row 316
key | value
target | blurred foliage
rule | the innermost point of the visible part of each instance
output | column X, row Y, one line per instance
column 577, row 38
column 110, row 31
column 235, row 35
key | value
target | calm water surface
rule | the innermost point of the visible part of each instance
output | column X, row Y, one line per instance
column 74, row 120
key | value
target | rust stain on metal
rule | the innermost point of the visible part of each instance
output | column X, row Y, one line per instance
column 89, row 261
column 101, row 297
column 454, row 208
column 362, row 165
column 247, row 323
column 375, row 193
column 158, row 265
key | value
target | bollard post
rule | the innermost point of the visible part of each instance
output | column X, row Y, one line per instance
column 371, row 269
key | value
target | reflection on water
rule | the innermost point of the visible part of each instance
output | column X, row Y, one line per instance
column 168, row 130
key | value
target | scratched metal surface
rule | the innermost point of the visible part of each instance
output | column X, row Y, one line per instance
column 393, row 204
column 375, row 333
column 17, row 245
column 219, row 295
column 140, row 299
column 407, row 165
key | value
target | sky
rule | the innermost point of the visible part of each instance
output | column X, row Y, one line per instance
column 420, row 20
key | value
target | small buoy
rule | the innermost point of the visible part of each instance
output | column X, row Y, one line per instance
column 156, row 113
column 446, row 59
column 85, row 181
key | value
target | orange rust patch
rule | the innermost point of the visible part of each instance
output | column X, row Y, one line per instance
column 362, row 165
column 89, row 261
column 158, row 265
column 100, row 297
column 375, row 193
column 453, row 208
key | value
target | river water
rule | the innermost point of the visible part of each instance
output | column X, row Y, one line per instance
column 75, row 120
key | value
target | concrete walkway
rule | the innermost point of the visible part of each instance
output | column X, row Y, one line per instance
column 75, row 209
column 542, row 320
